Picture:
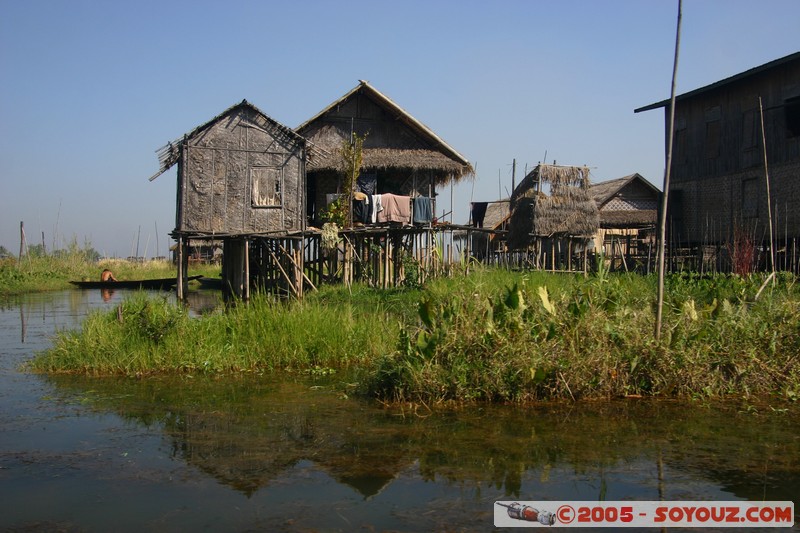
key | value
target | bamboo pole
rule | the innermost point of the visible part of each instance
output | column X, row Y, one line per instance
column 180, row 252
column 769, row 198
column 285, row 275
column 297, row 264
column 665, row 194
column 246, row 288
column 21, row 239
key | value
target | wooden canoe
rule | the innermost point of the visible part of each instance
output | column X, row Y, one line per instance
column 211, row 283
column 154, row 284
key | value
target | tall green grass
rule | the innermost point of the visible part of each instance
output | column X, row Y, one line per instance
column 491, row 336
column 149, row 334
column 594, row 339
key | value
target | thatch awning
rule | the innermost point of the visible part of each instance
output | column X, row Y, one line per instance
column 568, row 211
column 383, row 158
column 645, row 218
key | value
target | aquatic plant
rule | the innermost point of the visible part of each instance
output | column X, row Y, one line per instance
column 592, row 340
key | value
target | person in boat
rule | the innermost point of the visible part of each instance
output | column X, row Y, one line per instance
column 107, row 275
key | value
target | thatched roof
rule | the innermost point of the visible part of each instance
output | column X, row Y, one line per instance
column 420, row 148
column 497, row 213
column 628, row 202
column 568, row 211
column 170, row 153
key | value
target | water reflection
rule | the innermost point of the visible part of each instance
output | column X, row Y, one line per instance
column 247, row 432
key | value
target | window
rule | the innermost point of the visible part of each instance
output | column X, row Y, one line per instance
column 792, row 111
column 266, row 185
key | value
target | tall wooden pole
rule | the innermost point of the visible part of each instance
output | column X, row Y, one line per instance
column 662, row 223
column 513, row 175
column 769, row 198
column 21, row 238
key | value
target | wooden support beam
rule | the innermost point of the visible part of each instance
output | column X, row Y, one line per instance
column 285, row 275
column 298, row 267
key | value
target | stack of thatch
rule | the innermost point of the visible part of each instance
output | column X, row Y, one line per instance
column 568, row 211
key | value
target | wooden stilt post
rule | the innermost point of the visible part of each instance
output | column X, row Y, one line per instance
column 179, row 260
column 469, row 240
column 246, row 280
column 387, row 260
column 22, row 246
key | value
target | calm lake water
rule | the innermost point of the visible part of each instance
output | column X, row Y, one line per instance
column 267, row 453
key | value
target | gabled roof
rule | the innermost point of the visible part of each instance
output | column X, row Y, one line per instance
column 605, row 190
column 746, row 74
column 422, row 157
column 497, row 212
column 169, row 154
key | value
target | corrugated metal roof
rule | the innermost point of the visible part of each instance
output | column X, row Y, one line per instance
column 753, row 71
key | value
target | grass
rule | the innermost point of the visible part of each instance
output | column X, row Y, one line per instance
column 579, row 339
column 492, row 336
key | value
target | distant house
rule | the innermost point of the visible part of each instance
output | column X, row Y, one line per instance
column 553, row 215
column 492, row 216
column 240, row 175
column 628, row 215
column 717, row 182
column 401, row 155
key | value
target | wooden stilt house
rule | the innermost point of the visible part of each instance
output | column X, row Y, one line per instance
column 403, row 161
column 736, row 168
column 401, row 155
column 240, row 177
column 628, row 218
column 553, row 217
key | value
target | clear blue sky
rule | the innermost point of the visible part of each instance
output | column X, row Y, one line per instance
column 90, row 89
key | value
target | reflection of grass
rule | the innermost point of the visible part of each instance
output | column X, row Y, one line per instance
column 491, row 336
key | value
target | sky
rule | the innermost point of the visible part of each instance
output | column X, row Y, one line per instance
column 90, row 89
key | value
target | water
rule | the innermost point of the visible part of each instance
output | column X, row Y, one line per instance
column 293, row 453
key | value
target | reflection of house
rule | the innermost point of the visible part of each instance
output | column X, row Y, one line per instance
column 239, row 174
column 558, row 226
column 717, row 181
column 628, row 216
column 401, row 155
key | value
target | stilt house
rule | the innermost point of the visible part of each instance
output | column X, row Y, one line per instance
column 728, row 137
column 401, row 155
column 628, row 219
column 554, row 217
column 240, row 175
